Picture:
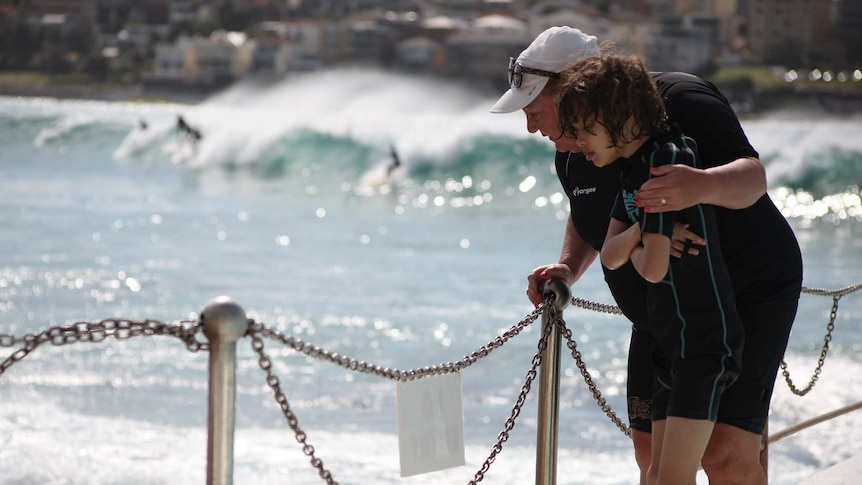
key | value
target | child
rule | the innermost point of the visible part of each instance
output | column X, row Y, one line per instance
column 612, row 106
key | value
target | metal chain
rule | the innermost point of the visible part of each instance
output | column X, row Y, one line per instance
column 830, row 326
column 395, row 374
column 596, row 307
column 120, row 329
column 292, row 421
column 839, row 292
column 597, row 395
column 519, row 403
column 187, row 331
column 823, row 352
column 835, row 294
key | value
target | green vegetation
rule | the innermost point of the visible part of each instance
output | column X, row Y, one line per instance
column 23, row 78
column 761, row 87
column 761, row 77
column 37, row 79
column 770, row 78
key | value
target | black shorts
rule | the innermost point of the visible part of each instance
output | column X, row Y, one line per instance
column 640, row 380
column 745, row 404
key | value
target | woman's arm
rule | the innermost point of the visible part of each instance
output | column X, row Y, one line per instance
column 575, row 257
column 730, row 174
column 577, row 254
column 735, row 185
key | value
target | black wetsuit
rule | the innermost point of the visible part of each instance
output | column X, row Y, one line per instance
column 691, row 312
column 758, row 246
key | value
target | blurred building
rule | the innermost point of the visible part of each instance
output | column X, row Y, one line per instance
column 788, row 31
column 468, row 40
column 216, row 60
column 687, row 43
column 420, row 54
column 848, row 29
column 481, row 52
column 60, row 15
column 630, row 32
column 143, row 36
column 282, row 47
column 552, row 14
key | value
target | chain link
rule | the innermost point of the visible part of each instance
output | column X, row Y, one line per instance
column 258, row 330
column 835, row 294
column 120, row 329
column 396, row 374
column 839, row 292
column 273, row 382
column 519, row 403
column 823, row 352
column 597, row 395
column 830, row 326
column 187, row 332
column 596, row 307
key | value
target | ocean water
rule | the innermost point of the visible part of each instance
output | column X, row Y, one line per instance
column 285, row 205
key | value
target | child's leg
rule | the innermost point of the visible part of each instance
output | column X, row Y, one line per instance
column 683, row 444
column 655, row 459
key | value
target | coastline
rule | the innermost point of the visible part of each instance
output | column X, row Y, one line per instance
column 103, row 92
column 748, row 103
column 832, row 103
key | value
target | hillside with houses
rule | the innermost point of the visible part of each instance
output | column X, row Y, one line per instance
column 194, row 47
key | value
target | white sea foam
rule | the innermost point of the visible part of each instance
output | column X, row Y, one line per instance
column 44, row 443
column 108, row 226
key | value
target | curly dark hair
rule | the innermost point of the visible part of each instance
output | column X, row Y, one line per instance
column 609, row 90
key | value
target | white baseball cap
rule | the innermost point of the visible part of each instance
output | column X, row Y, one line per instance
column 553, row 50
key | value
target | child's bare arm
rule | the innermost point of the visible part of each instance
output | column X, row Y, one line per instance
column 620, row 241
column 651, row 259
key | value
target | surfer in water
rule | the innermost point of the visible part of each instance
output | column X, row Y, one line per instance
column 395, row 163
column 186, row 129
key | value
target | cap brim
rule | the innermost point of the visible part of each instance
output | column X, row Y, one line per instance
column 518, row 98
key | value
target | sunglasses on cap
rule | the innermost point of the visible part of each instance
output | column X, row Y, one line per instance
column 517, row 71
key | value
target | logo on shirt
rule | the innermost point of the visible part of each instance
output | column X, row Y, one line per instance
column 579, row 191
column 640, row 408
column 631, row 206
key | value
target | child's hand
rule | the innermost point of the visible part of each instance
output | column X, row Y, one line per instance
column 682, row 239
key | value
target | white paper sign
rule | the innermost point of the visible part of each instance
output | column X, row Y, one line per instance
column 430, row 424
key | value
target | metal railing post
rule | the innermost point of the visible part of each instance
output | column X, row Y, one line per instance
column 549, row 390
column 224, row 323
